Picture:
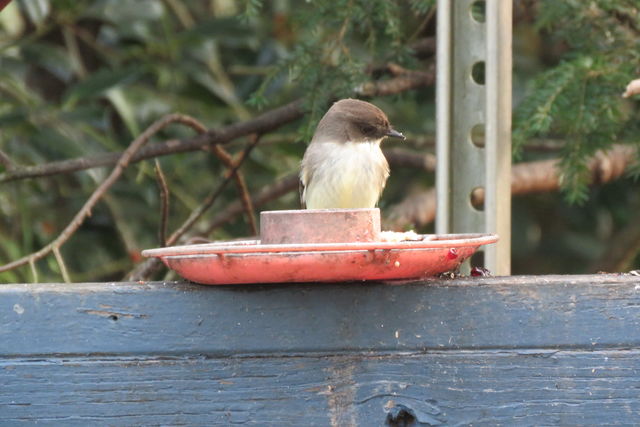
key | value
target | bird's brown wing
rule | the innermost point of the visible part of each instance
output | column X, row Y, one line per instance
column 306, row 174
column 303, row 205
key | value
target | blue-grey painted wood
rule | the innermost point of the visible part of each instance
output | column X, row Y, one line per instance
column 169, row 318
column 477, row 387
column 548, row 350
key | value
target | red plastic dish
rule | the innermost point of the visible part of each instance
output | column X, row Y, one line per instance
column 251, row 262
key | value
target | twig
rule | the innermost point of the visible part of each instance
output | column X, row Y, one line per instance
column 415, row 210
column 164, row 204
column 206, row 204
column 262, row 124
column 532, row 177
column 424, row 23
column 73, row 50
column 85, row 211
column 396, row 157
column 150, row 266
column 627, row 20
column 266, row 194
column 424, row 47
column 399, row 157
column 34, row 271
column 63, row 267
column 625, row 247
column 402, row 82
column 227, row 160
column 122, row 224
column 6, row 161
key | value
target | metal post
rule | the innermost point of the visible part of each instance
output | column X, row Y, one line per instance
column 465, row 42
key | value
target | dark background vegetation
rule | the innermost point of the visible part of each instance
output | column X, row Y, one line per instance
column 79, row 78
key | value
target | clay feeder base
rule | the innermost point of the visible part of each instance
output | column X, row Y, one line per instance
column 332, row 245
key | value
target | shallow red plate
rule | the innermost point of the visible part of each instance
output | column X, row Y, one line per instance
column 250, row 262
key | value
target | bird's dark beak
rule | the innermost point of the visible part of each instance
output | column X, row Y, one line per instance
column 395, row 134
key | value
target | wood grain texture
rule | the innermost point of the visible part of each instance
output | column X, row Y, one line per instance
column 548, row 350
column 439, row 388
column 170, row 318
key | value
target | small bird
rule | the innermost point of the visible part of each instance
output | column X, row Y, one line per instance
column 343, row 166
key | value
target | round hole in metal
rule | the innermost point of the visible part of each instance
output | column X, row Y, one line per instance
column 478, row 10
column 477, row 72
column 477, row 135
column 476, row 198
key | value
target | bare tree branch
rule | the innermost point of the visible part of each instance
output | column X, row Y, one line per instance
column 620, row 254
column 415, row 210
column 85, row 211
column 403, row 81
column 6, row 161
column 34, row 271
column 399, row 157
column 268, row 193
column 61, row 264
column 533, row 177
column 261, row 124
column 150, row 266
column 227, row 160
column 424, row 47
column 164, row 204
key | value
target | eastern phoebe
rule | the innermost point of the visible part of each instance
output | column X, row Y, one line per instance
column 343, row 166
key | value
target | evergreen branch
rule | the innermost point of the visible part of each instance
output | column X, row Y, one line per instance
column 536, row 115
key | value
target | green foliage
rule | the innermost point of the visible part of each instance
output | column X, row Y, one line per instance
column 333, row 42
column 422, row 6
column 579, row 100
column 80, row 78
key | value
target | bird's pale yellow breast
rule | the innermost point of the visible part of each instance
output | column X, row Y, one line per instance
column 345, row 175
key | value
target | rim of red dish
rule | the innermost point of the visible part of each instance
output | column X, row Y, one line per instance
column 254, row 246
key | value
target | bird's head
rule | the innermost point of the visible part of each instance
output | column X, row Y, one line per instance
column 352, row 120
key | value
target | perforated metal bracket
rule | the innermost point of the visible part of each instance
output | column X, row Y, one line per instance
column 473, row 97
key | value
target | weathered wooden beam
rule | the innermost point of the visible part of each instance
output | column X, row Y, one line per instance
column 477, row 387
column 528, row 350
column 170, row 318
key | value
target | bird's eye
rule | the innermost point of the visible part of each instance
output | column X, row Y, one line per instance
column 368, row 129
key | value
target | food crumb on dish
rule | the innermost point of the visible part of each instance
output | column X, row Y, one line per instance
column 394, row 236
